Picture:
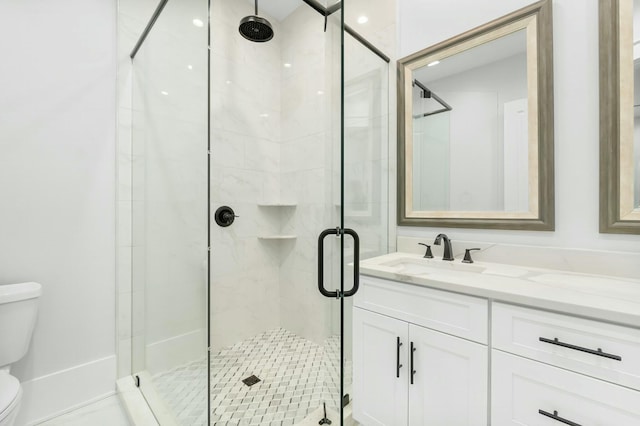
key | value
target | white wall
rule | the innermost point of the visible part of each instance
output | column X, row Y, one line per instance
column 57, row 183
column 575, row 23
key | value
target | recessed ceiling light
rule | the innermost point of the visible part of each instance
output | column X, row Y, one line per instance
column 198, row 23
column 431, row 64
column 228, row 81
column 164, row 93
column 264, row 115
column 320, row 92
column 363, row 20
column 287, row 65
column 190, row 67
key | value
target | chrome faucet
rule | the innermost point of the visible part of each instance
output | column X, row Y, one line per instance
column 447, row 246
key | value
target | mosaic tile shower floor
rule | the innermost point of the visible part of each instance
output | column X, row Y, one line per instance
column 296, row 377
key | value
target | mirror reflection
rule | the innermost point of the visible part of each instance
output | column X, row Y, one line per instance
column 475, row 127
column 470, row 119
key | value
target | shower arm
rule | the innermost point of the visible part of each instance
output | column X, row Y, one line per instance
column 427, row 93
column 256, row 7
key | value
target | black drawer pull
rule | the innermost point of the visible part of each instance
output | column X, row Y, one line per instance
column 413, row 372
column 557, row 418
column 597, row 352
column 398, row 365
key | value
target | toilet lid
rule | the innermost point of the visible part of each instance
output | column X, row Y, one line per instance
column 9, row 388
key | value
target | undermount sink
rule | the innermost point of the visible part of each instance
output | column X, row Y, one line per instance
column 431, row 266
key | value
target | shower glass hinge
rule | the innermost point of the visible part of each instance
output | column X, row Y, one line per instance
column 345, row 400
column 208, row 248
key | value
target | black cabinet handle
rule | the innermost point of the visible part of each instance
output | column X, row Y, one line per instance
column 557, row 418
column 398, row 365
column 597, row 352
column 413, row 372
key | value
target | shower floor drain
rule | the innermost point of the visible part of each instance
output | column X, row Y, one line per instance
column 251, row 380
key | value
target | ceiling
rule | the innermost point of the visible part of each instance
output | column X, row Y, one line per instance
column 279, row 9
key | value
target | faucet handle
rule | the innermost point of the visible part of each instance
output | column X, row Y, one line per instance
column 428, row 254
column 467, row 255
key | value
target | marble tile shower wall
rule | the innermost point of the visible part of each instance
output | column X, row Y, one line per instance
column 307, row 156
column 269, row 143
column 245, row 166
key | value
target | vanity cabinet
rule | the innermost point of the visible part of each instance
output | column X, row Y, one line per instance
column 408, row 374
column 551, row 367
column 380, row 378
column 605, row 351
column 526, row 392
column 424, row 356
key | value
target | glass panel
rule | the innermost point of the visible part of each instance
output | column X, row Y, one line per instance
column 169, row 224
column 275, row 116
column 366, row 165
column 431, row 146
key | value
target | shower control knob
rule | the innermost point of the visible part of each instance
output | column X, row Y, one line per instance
column 225, row 216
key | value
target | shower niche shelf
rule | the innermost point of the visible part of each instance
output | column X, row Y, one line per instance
column 277, row 204
column 277, row 207
column 277, row 237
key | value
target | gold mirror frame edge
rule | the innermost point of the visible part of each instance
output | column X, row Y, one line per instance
column 546, row 212
column 610, row 122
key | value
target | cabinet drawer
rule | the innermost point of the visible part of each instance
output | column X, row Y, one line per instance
column 451, row 313
column 606, row 351
column 526, row 392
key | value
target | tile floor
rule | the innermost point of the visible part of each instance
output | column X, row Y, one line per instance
column 296, row 377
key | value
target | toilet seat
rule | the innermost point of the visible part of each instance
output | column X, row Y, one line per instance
column 10, row 395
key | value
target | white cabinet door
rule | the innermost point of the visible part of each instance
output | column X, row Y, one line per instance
column 380, row 385
column 450, row 383
column 527, row 392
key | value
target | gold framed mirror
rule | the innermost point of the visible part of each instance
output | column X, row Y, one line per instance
column 620, row 116
column 475, row 127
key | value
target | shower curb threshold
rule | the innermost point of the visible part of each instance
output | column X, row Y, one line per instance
column 136, row 407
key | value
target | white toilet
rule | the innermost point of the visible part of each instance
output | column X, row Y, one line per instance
column 18, row 309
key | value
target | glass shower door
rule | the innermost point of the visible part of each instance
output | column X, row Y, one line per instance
column 366, row 165
column 169, row 215
column 276, row 109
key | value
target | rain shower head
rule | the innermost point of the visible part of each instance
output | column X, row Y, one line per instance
column 255, row 28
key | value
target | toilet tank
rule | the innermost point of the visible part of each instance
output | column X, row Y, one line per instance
column 18, row 311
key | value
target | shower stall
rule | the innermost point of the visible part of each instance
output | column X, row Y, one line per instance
column 259, row 179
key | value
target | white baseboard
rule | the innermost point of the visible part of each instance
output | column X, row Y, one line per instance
column 178, row 350
column 66, row 390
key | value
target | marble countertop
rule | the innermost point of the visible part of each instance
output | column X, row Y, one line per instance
column 601, row 297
